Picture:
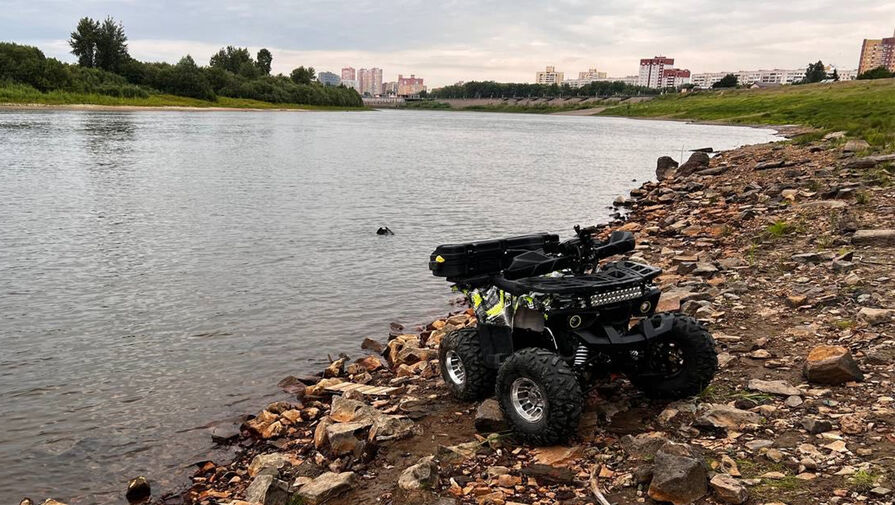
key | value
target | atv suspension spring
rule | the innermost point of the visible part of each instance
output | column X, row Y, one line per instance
column 581, row 355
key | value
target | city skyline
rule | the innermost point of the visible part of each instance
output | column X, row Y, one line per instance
column 506, row 44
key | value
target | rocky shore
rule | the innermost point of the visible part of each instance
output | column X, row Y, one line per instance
column 785, row 251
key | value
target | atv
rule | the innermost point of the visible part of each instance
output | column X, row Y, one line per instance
column 552, row 322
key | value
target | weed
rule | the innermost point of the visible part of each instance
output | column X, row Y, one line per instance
column 844, row 324
column 778, row 229
column 862, row 480
column 862, row 197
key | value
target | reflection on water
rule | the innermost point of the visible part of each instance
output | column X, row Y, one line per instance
column 161, row 270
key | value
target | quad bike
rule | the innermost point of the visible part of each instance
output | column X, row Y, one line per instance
column 552, row 321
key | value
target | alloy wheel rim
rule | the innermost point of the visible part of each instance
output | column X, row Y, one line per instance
column 528, row 399
column 455, row 369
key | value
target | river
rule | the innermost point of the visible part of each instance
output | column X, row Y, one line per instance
column 160, row 270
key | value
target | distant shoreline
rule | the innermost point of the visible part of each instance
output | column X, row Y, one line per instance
column 190, row 108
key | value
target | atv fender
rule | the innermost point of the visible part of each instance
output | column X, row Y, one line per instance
column 644, row 331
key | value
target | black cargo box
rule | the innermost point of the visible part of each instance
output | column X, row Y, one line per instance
column 486, row 257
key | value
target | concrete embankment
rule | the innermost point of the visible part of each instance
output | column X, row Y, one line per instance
column 784, row 251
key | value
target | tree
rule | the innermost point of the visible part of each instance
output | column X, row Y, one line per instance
column 302, row 75
column 815, row 72
column 728, row 81
column 835, row 75
column 264, row 60
column 111, row 46
column 83, row 42
column 877, row 73
column 231, row 59
column 99, row 45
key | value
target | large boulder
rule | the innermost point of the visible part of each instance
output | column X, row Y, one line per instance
column 422, row 475
column 345, row 410
column 697, row 162
column 489, row 418
column 644, row 445
column 389, row 427
column 343, row 438
column 268, row 490
column 874, row 317
column 679, row 476
column 326, row 486
column 665, row 167
column 874, row 237
column 831, row 364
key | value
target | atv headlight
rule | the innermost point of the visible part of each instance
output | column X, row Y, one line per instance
column 616, row 296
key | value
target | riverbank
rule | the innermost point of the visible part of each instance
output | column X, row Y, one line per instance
column 782, row 250
column 20, row 98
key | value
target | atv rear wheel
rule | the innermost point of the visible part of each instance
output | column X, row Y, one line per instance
column 462, row 366
column 679, row 364
column 539, row 395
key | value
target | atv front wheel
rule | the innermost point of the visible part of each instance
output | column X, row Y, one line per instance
column 679, row 364
column 462, row 366
column 539, row 395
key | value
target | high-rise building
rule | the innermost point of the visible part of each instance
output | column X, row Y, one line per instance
column 652, row 71
column 369, row 81
column 591, row 75
column 409, row 86
column 348, row 74
column 675, row 77
column 549, row 76
column 328, row 79
column 877, row 53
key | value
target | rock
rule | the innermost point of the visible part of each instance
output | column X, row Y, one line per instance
column 695, row 163
column 326, row 486
column 488, row 418
column 459, row 452
column 665, row 167
column 728, row 489
column 138, row 490
column 371, row 345
column 795, row 301
column 345, row 410
column 827, row 364
column 876, row 316
column 369, row 363
column 548, row 473
column 386, row 428
column 730, row 466
column 815, row 426
column 678, row 476
column 852, row 424
column 26, row 501
column 855, row 145
column 885, row 237
column 793, row 401
column 225, row 434
column 422, row 475
column 268, row 490
column 778, row 387
column 318, row 388
column 644, row 445
column 292, row 385
column 261, row 424
column 727, row 417
column 335, row 369
column 342, row 438
column 705, row 270
column 557, row 455
column 262, row 462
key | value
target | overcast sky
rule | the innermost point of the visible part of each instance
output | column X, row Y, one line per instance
column 445, row 41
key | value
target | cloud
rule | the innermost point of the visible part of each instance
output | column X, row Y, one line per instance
column 456, row 40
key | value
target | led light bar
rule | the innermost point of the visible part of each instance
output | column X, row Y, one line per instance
column 619, row 295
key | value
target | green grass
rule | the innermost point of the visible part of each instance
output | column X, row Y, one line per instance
column 862, row 481
column 864, row 109
column 778, row 229
column 18, row 94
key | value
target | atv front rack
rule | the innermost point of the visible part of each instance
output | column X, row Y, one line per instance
column 619, row 279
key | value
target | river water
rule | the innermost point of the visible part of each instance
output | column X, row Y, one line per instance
column 160, row 270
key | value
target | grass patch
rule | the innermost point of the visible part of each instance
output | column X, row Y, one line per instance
column 19, row 94
column 844, row 324
column 786, row 487
column 863, row 109
column 778, row 228
column 862, row 481
column 862, row 197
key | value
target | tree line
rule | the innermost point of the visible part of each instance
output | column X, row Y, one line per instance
column 491, row 89
column 105, row 67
